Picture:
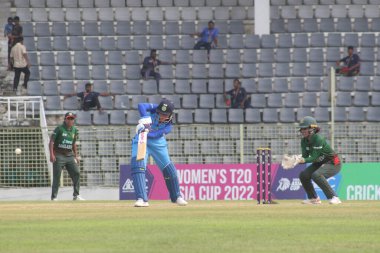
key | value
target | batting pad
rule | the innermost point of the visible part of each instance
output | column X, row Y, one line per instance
column 138, row 176
column 171, row 180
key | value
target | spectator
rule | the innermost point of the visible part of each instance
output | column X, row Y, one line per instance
column 208, row 37
column 17, row 30
column 150, row 64
column 237, row 97
column 8, row 33
column 351, row 63
column 89, row 98
column 20, row 62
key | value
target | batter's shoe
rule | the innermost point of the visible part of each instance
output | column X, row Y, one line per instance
column 141, row 203
column 78, row 197
column 316, row 201
column 335, row 201
column 54, row 199
column 181, row 202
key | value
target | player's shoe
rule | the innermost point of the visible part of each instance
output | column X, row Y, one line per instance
column 181, row 202
column 316, row 201
column 141, row 203
column 335, row 201
column 54, row 199
column 78, row 197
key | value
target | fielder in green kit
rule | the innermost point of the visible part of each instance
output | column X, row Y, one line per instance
column 324, row 161
column 63, row 152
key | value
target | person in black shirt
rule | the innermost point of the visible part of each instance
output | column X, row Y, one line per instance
column 351, row 63
column 237, row 97
column 89, row 98
column 150, row 65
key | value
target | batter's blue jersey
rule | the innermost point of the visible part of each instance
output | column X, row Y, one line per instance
column 157, row 129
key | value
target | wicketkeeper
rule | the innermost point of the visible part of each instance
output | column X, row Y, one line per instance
column 325, row 163
column 158, row 120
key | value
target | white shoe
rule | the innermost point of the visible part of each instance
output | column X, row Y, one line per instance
column 141, row 203
column 54, row 199
column 335, row 201
column 181, row 202
column 316, row 201
column 78, row 197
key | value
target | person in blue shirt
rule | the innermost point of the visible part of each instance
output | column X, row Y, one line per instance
column 8, row 33
column 208, row 37
column 158, row 120
column 351, row 64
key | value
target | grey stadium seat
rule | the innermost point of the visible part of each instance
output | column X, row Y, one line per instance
column 287, row 115
column 252, row 115
column 182, row 86
column 275, row 100
column 373, row 114
column 50, row 88
column 343, row 99
column 64, row 58
column 321, row 114
column 67, row 88
column 122, row 102
column 235, row 116
column 100, row 118
column 345, row 83
column 53, row 103
column 292, row 100
column 258, row 101
column 309, row 99
column 202, row 116
column 189, row 101
column 361, row 98
column 34, row 88
column 184, row 116
column 70, row 103
column 83, row 118
column 207, row 101
column 303, row 112
column 356, row 114
column 218, row 116
column 270, row 115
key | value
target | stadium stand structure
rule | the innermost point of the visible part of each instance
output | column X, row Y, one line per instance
column 285, row 72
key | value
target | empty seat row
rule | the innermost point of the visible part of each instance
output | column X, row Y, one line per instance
column 326, row 11
column 135, row 14
column 127, row 3
column 322, row 2
column 311, row 25
column 110, row 28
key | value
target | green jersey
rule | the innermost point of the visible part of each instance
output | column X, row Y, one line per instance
column 64, row 138
column 316, row 149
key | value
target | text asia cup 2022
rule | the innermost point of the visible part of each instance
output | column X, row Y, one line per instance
column 356, row 181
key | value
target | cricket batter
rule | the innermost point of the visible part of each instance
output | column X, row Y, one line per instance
column 325, row 162
column 64, row 152
column 158, row 119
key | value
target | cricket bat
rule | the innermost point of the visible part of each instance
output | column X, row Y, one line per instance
column 141, row 146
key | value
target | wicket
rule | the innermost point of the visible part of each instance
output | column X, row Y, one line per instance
column 264, row 176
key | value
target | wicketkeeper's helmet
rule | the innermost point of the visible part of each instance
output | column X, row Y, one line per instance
column 308, row 122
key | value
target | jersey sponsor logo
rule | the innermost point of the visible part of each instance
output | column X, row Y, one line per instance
column 320, row 147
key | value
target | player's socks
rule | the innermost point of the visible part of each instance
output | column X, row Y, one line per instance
column 171, row 180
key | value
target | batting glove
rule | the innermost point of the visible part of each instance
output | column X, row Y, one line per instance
column 139, row 128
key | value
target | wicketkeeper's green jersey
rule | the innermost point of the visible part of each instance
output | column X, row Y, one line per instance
column 316, row 149
column 65, row 138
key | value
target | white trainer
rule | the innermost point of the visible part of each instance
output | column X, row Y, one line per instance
column 181, row 202
column 335, row 201
column 78, row 197
column 54, row 199
column 141, row 203
column 316, row 201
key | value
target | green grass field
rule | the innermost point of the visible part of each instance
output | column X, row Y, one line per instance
column 210, row 226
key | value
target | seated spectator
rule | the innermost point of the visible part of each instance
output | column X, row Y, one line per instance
column 351, row 63
column 237, row 97
column 8, row 34
column 208, row 37
column 150, row 64
column 89, row 98
column 20, row 63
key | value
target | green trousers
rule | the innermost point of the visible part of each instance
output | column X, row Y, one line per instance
column 319, row 174
column 72, row 169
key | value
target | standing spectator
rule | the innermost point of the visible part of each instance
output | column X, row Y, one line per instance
column 64, row 152
column 20, row 62
column 351, row 63
column 17, row 30
column 8, row 33
column 208, row 37
column 237, row 97
column 89, row 98
column 150, row 64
